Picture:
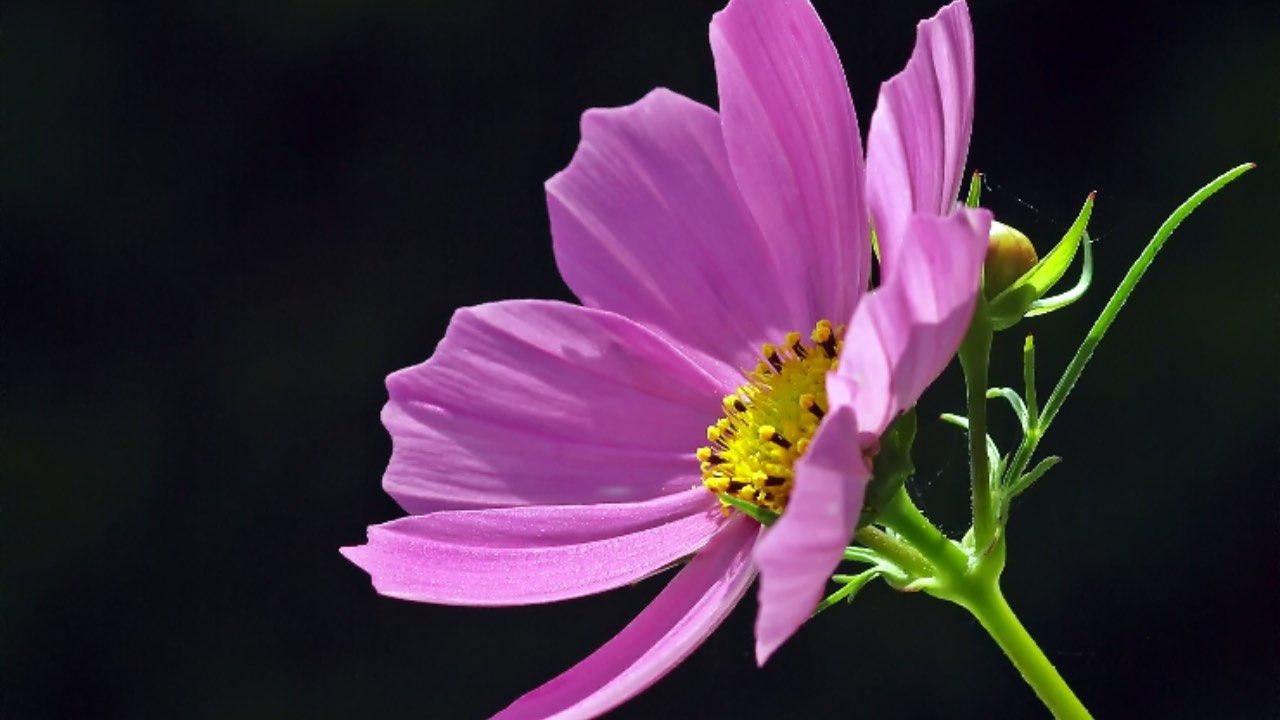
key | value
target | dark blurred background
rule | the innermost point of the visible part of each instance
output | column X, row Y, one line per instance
column 225, row 223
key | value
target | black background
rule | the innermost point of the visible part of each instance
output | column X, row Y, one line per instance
column 226, row 222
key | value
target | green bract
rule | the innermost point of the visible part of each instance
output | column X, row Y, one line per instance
column 892, row 466
column 1007, row 308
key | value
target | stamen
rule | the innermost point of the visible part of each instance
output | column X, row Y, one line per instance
column 710, row 457
column 797, row 347
column 769, row 421
column 809, row 402
column 769, row 433
column 771, row 354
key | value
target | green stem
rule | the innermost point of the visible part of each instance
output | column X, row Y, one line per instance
column 975, row 355
column 988, row 605
column 975, row 587
column 903, row 517
column 1108, row 315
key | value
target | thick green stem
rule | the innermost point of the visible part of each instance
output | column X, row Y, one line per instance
column 975, row 355
column 903, row 517
column 975, row 586
column 988, row 605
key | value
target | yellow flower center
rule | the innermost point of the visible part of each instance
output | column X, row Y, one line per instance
column 769, row 421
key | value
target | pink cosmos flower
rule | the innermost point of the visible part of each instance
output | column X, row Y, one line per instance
column 548, row 451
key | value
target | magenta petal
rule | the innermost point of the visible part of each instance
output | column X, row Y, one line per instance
column 798, row 554
column 692, row 605
column 793, row 143
column 905, row 332
column 648, row 223
column 544, row 403
column 519, row 556
column 919, row 136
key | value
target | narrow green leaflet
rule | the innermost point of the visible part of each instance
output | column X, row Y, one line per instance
column 1014, row 400
column 993, row 453
column 857, row 553
column 852, row 584
column 1030, row 478
column 1029, row 384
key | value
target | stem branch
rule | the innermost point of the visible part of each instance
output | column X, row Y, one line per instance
column 1108, row 315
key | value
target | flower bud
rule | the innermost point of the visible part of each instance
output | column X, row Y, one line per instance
column 1010, row 255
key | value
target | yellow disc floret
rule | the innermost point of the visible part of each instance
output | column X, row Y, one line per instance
column 769, row 421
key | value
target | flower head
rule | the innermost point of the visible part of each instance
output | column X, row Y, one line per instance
column 726, row 344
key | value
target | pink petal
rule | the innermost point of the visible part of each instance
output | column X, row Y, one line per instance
column 793, row 143
column 905, row 332
column 920, row 129
column 544, row 403
column 648, row 223
column 692, row 605
column 519, row 556
column 798, row 554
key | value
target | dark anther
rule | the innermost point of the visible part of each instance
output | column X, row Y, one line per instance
column 780, row 441
column 775, row 361
column 829, row 347
column 774, row 481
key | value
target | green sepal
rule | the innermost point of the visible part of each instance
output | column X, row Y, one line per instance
column 975, row 191
column 1046, row 305
column 761, row 515
column 892, row 466
column 1007, row 308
